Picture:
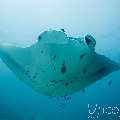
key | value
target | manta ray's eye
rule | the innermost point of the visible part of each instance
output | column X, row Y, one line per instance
column 87, row 39
column 90, row 41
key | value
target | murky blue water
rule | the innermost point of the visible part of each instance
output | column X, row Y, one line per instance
column 20, row 24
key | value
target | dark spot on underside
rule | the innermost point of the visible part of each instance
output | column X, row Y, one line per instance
column 54, row 67
column 63, row 69
column 34, row 76
column 61, row 80
column 83, row 91
column 66, row 84
column 67, row 97
column 54, row 57
column 41, row 51
column 82, row 56
column 109, row 83
column 27, row 71
column 53, row 81
column 85, row 70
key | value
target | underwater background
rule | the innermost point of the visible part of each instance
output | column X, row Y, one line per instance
column 21, row 21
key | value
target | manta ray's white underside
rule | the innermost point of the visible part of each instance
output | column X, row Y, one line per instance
column 58, row 65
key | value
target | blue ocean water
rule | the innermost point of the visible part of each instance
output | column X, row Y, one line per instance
column 20, row 24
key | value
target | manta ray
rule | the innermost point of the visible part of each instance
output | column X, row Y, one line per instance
column 58, row 65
